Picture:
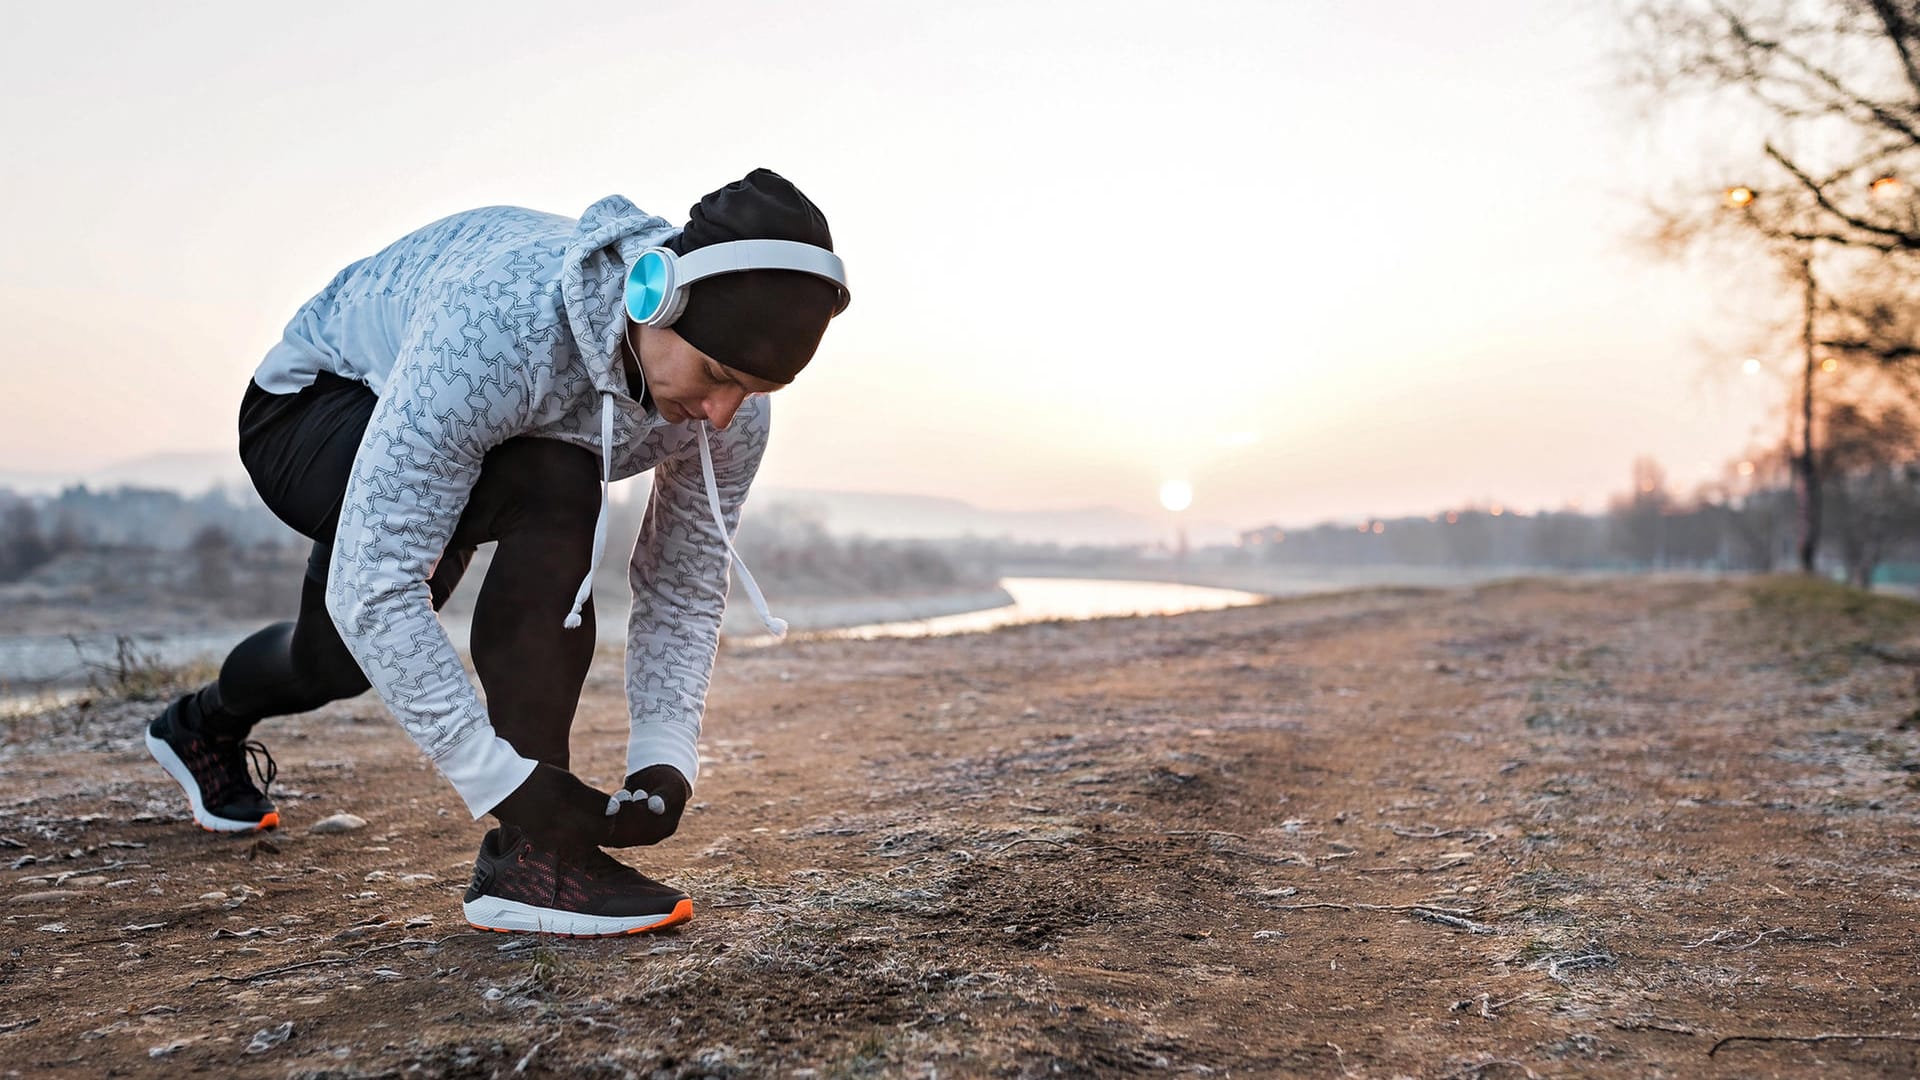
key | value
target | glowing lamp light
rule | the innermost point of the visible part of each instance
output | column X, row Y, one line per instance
column 1887, row 187
column 1453, row 517
column 1746, row 468
column 1751, row 366
column 1739, row 197
column 1379, row 527
column 1176, row 495
column 1829, row 364
column 1496, row 510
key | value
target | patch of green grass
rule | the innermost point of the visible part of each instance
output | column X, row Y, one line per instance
column 1800, row 597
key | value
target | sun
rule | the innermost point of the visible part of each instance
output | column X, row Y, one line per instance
column 1176, row 495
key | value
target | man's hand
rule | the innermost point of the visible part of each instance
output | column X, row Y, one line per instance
column 648, row 811
column 555, row 805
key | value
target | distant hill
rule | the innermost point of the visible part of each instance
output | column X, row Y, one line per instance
column 875, row 514
column 188, row 472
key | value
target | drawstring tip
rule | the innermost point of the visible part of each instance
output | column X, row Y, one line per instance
column 776, row 626
column 572, row 621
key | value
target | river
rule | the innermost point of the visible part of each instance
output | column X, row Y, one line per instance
column 38, row 669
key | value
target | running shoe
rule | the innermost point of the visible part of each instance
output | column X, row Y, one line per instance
column 212, row 770
column 520, row 885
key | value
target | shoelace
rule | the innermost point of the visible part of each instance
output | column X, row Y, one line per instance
column 257, row 752
column 228, row 752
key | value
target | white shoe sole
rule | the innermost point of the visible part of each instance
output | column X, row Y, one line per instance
column 177, row 769
column 510, row 916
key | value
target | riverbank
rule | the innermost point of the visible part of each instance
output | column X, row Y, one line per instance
column 1601, row 829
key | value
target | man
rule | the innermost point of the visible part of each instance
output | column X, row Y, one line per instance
column 482, row 379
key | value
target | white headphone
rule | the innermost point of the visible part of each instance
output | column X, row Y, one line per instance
column 658, row 280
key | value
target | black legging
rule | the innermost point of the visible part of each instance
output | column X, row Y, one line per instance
column 537, row 498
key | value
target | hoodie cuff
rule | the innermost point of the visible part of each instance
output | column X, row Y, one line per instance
column 484, row 768
column 664, row 744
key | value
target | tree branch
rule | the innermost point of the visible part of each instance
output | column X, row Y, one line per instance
column 1807, row 1039
column 1897, row 28
column 1899, row 237
column 1842, row 95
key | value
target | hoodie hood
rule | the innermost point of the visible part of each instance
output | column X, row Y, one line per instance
column 612, row 233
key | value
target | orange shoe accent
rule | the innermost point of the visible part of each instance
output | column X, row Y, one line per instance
column 682, row 912
column 271, row 821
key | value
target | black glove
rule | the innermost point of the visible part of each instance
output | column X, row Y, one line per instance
column 557, row 806
column 650, row 807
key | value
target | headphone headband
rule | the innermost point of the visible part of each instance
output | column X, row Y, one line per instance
column 657, row 281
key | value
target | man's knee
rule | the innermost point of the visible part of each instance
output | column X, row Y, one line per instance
column 326, row 670
column 539, row 482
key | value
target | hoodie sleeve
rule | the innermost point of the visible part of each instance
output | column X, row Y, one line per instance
column 679, row 580
column 459, row 387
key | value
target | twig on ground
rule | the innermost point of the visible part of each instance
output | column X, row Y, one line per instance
column 1481, row 1068
column 1675, row 1027
column 1028, row 840
column 1556, row 966
column 1722, row 935
column 1422, row 910
column 1454, row 921
column 1341, row 1056
column 527, row 1060
column 1488, row 1006
column 1431, row 833
column 362, row 954
column 1716, row 936
column 1830, row 1037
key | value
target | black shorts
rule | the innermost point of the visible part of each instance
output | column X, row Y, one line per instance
column 299, row 450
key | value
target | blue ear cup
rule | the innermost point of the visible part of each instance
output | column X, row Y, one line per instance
column 650, row 288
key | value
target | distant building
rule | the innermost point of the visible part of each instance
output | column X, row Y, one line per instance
column 1267, row 536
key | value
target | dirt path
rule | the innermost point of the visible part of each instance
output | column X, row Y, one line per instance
column 1532, row 829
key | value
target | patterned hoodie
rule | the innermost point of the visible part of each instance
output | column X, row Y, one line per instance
column 483, row 326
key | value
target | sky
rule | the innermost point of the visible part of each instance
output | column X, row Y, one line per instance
column 1318, row 260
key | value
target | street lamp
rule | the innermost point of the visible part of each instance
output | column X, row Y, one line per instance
column 1741, row 198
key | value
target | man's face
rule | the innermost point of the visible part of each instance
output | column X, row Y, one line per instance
column 686, row 383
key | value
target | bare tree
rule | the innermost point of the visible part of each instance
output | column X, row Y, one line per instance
column 1869, row 461
column 1831, row 92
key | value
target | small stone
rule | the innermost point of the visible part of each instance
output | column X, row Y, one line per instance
column 84, row 882
column 338, row 823
column 213, row 896
column 45, row 896
column 267, row 1038
column 377, row 875
column 416, row 879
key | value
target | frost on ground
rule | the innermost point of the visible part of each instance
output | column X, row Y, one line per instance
column 1623, row 829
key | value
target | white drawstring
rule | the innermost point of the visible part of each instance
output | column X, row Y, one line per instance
column 585, row 591
column 775, row 626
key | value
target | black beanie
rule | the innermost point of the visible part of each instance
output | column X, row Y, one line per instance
column 766, row 323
